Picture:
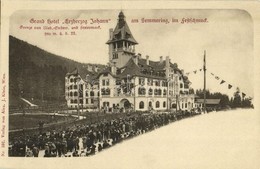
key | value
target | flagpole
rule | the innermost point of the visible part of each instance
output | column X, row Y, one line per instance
column 204, row 69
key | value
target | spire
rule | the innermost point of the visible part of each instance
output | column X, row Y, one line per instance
column 121, row 19
column 122, row 31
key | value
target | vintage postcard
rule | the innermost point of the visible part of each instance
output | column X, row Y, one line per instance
column 129, row 85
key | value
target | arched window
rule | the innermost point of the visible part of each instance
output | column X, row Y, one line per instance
column 141, row 105
column 75, row 101
column 92, row 93
column 164, row 104
column 71, row 80
column 75, row 93
column 86, row 94
column 71, row 101
column 150, row 104
column 157, row 104
column 75, row 86
column 150, row 91
column 164, row 92
column 71, row 94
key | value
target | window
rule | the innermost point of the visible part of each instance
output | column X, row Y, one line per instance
column 91, row 101
column 155, row 92
column 107, row 91
column 75, row 101
column 141, row 91
column 159, row 92
column 71, row 101
column 71, row 80
column 103, row 82
column 75, row 86
column 141, row 81
column 141, row 105
column 181, row 85
column 86, row 94
column 157, row 104
column 81, row 101
column 107, row 82
column 164, row 92
column 150, row 104
column 91, row 93
column 186, row 105
column 86, row 101
column 75, row 94
column 164, row 104
column 71, row 94
column 150, row 91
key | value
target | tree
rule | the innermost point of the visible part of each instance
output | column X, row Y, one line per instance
column 237, row 99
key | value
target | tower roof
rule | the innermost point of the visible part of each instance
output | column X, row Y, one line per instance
column 122, row 31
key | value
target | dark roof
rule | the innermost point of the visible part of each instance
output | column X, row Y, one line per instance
column 122, row 31
column 208, row 101
column 87, row 76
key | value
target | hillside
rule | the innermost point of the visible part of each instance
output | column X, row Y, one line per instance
column 36, row 74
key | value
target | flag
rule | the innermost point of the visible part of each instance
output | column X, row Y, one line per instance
column 216, row 77
column 243, row 95
column 229, row 86
column 222, row 81
column 187, row 74
column 200, row 69
column 212, row 74
column 195, row 71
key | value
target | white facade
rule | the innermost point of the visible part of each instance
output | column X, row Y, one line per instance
column 131, row 83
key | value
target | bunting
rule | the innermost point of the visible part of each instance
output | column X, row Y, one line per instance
column 223, row 81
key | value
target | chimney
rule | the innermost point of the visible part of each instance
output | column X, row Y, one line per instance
column 135, row 58
column 161, row 59
column 147, row 59
column 113, row 68
column 167, row 62
column 110, row 33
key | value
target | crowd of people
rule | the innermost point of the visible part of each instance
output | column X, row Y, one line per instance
column 88, row 139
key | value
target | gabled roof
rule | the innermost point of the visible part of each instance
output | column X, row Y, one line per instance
column 84, row 74
column 122, row 31
column 208, row 101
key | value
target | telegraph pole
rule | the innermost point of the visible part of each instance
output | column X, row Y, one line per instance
column 204, row 69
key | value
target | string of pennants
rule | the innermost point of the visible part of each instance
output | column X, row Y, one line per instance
column 194, row 71
column 230, row 86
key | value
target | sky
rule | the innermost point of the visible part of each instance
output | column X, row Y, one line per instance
column 227, row 37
